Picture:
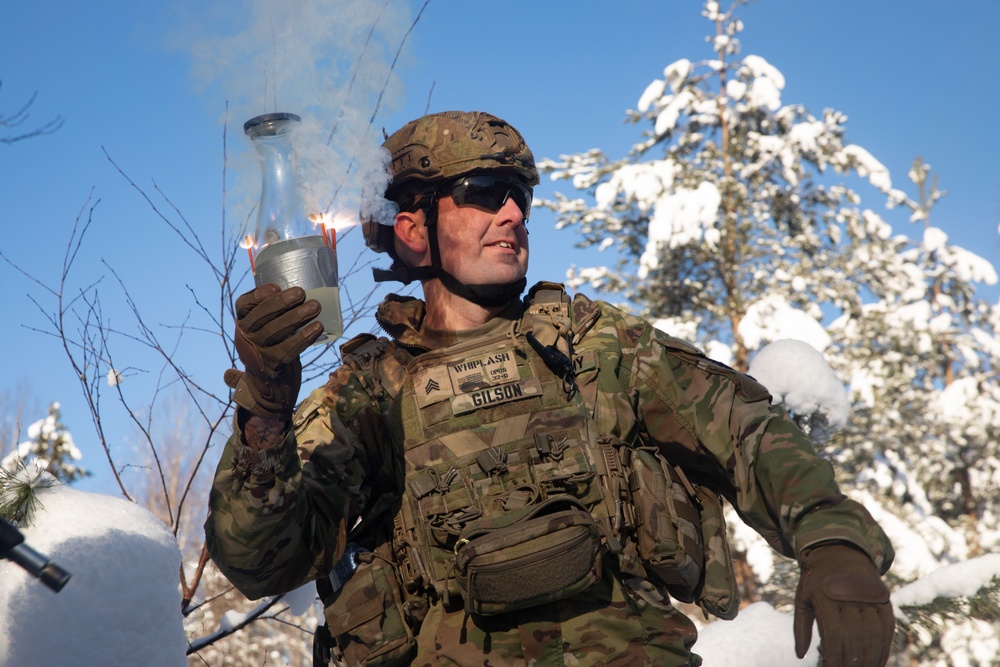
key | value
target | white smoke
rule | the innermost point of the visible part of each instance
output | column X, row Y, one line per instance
column 373, row 205
column 331, row 62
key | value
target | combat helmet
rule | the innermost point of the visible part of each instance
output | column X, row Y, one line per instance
column 425, row 156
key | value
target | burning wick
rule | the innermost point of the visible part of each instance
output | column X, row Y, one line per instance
column 248, row 244
column 327, row 228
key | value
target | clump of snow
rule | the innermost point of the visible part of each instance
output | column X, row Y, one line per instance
column 667, row 119
column 711, row 11
column 959, row 580
column 121, row 606
column 935, row 239
column 759, row 636
column 735, row 90
column 767, row 83
column 681, row 217
column 644, row 184
column 868, row 167
column 773, row 318
column 719, row 351
column 653, row 92
column 231, row 620
column 800, row 378
column 677, row 72
column 955, row 399
column 969, row 266
column 806, row 135
column 972, row 268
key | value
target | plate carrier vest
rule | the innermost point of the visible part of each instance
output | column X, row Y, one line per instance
column 506, row 496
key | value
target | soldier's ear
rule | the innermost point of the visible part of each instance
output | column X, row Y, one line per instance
column 411, row 235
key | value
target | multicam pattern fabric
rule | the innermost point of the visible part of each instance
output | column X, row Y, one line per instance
column 281, row 519
column 445, row 145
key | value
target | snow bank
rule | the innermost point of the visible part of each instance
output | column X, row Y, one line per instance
column 121, row 607
column 760, row 636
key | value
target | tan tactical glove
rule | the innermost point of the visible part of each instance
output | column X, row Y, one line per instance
column 842, row 591
column 272, row 329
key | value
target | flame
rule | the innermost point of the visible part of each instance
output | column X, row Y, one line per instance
column 248, row 244
column 328, row 225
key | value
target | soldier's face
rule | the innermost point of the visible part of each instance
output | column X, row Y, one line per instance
column 482, row 248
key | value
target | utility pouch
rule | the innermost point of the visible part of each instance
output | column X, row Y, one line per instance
column 718, row 595
column 551, row 552
column 366, row 619
column 668, row 524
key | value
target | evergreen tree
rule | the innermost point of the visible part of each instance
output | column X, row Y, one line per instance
column 49, row 447
column 738, row 217
column 48, row 456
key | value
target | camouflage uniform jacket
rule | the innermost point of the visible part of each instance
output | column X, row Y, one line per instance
column 281, row 518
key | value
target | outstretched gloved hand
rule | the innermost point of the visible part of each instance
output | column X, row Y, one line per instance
column 272, row 329
column 841, row 590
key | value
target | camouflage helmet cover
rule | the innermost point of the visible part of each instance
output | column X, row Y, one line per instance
column 440, row 147
column 443, row 146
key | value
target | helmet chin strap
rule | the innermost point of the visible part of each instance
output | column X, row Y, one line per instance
column 488, row 296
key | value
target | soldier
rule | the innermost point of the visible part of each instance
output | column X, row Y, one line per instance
column 502, row 481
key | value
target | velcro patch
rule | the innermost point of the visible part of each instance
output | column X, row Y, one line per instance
column 491, row 396
column 485, row 370
column 585, row 361
column 432, row 385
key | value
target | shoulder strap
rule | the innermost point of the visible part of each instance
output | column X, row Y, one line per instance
column 379, row 364
column 380, row 367
column 553, row 324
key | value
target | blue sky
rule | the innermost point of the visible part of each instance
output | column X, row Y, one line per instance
column 915, row 78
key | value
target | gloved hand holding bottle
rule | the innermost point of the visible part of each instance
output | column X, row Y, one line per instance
column 273, row 327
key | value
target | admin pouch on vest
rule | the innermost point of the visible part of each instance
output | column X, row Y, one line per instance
column 541, row 554
column 511, row 499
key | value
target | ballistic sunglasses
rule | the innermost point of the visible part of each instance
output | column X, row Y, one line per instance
column 490, row 193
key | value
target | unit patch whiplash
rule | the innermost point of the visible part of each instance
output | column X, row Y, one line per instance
column 471, row 374
column 484, row 370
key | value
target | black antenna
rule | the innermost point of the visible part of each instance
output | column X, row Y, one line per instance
column 12, row 547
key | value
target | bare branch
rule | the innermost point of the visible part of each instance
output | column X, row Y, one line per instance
column 20, row 117
column 248, row 618
column 194, row 245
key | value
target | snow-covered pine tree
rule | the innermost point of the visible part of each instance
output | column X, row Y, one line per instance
column 921, row 449
column 725, row 207
column 737, row 222
column 47, row 456
column 49, row 446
